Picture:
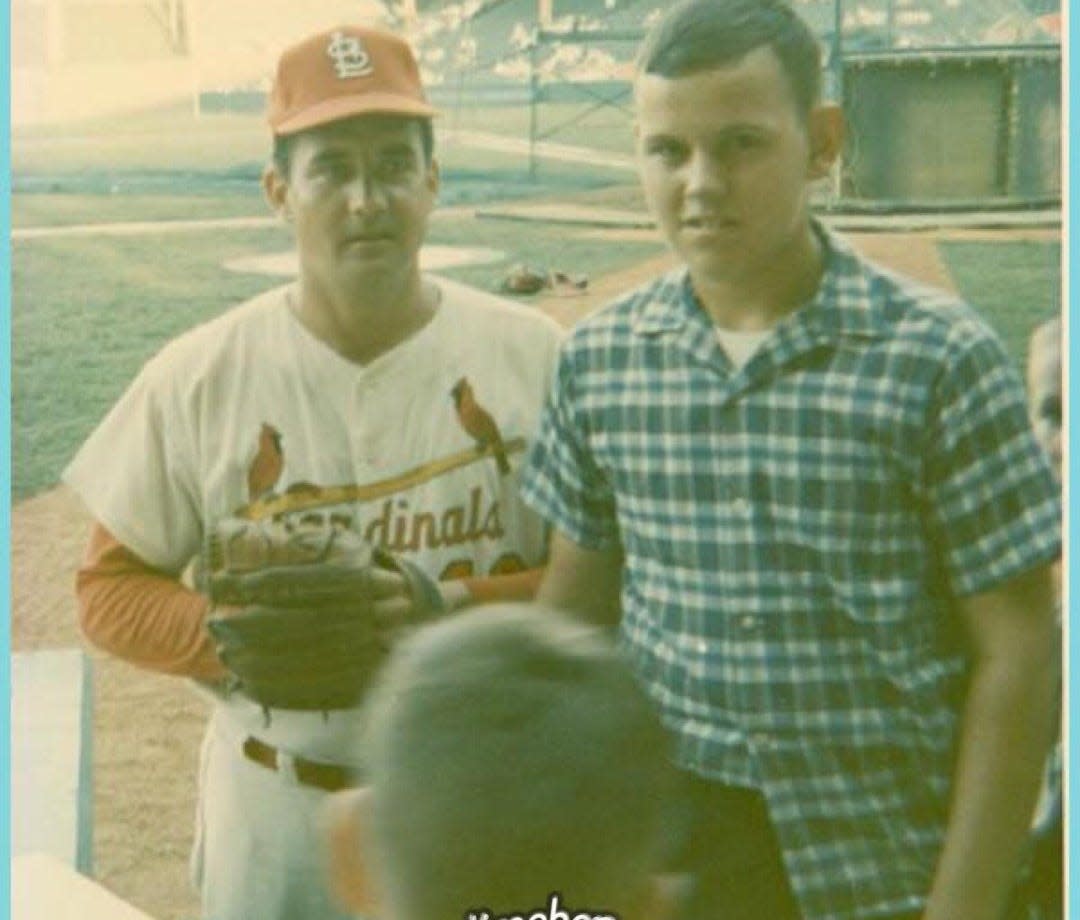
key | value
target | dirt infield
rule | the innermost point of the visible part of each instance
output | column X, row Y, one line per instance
column 146, row 727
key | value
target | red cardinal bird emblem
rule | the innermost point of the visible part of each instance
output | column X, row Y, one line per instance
column 478, row 423
column 268, row 463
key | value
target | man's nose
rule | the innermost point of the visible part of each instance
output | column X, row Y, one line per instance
column 706, row 174
column 365, row 193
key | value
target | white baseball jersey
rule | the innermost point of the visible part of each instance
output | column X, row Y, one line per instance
column 251, row 411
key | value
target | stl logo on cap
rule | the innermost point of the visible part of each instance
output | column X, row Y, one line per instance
column 349, row 56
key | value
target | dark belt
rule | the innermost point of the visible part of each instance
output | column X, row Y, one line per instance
column 326, row 776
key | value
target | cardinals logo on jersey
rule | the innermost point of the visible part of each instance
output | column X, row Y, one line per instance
column 268, row 463
column 478, row 423
column 270, row 496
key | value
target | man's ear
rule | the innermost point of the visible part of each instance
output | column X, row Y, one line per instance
column 276, row 191
column 825, row 128
column 347, row 823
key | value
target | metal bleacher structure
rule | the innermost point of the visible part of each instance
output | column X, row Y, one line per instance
column 490, row 40
column 973, row 86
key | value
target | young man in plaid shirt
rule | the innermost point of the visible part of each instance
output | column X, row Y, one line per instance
column 808, row 493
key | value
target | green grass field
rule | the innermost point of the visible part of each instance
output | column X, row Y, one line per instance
column 87, row 311
column 224, row 145
column 1016, row 285
column 68, row 208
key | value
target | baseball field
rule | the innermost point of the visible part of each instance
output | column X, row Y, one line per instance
column 120, row 243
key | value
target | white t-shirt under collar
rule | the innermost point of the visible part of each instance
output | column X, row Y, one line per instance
column 740, row 346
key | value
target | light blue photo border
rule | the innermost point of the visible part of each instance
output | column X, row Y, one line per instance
column 1071, row 288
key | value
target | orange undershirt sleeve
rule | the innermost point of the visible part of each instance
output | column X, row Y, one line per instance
column 141, row 614
column 146, row 617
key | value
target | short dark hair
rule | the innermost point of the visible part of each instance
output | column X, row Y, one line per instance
column 281, row 152
column 700, row 35
column 511, row 754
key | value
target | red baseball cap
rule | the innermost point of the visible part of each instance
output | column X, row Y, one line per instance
column 347, row 71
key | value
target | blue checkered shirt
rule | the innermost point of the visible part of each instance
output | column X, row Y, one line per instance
column 792, row 533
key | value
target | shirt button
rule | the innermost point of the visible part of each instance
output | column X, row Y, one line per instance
column 741, row 507
column 702, row 646
column 748, row 622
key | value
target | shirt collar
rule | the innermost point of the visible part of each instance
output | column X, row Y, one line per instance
column 667, row 305
column 844, row 305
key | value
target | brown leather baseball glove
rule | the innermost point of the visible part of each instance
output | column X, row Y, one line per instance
column 293, row 610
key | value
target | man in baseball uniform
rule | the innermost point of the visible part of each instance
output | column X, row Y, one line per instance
column 335, row 402
column 807, row 491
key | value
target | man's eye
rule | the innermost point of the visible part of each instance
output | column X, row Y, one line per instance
column 746, row 141
column 396, row 166
column 666, row 152
column 331, row 170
